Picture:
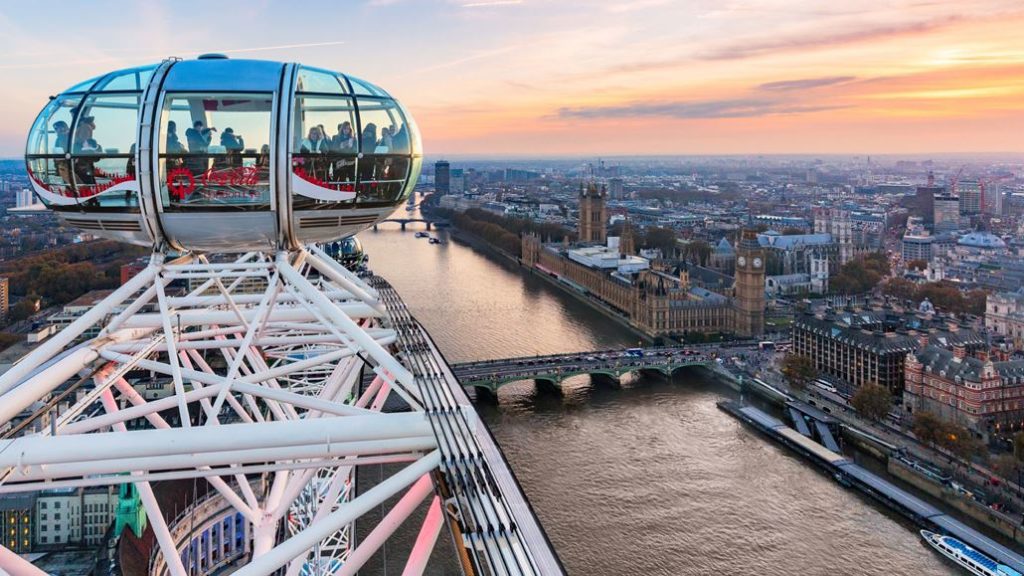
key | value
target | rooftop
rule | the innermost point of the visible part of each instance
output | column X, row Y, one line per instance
column 778, row 241
column 942, row 361
column 984, row 240
column 887, row 331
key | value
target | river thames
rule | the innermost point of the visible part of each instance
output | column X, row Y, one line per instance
column 648, row 479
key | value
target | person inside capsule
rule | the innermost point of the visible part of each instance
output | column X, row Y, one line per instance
column 84, row 143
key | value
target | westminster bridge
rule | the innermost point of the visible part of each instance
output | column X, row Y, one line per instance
column 603, row 366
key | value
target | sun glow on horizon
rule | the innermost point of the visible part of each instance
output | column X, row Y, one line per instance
column 590, row 77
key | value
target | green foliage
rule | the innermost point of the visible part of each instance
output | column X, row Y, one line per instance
column 1018, row 446
column 872, row 401
column 932, row 430
column 59, row 276
column 861, row 274
column 23, row 309
column 944, row 296
column 1005, row 465
column 697, row 251
column 974, row 302
column 900, row 288
column 927, row 427
column 501, row 231
column 662, row 238
column 7, row 340
column 798, row 370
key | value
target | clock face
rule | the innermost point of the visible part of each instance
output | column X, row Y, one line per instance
column 757, row 262
column 742, row 260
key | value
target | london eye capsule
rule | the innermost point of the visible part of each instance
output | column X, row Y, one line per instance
column 223, row 155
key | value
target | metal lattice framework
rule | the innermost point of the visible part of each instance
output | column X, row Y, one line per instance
column 265, row 355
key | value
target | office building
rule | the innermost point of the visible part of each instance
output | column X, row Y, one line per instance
column 947, row 213
column 869, row 346
column 917, row 247
column 442, row 177
column 970, row 197
column 924, row 205
column 16, row 521
column 616, row 189
column 74, row 516
column 25, row 198
column 993, row 199
column 457, row 181
column 129, row 270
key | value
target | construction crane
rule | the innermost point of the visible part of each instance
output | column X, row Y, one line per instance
column 955, row 179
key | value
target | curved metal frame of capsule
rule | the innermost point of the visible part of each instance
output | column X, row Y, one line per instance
column 279, row 226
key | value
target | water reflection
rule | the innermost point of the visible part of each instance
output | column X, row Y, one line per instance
column 648, row 477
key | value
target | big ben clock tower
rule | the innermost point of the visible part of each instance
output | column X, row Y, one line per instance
column 748, row 298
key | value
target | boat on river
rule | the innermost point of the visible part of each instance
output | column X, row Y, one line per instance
column 970, row 559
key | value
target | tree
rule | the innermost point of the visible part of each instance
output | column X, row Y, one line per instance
column 943, row 295
column 900, row 288
column 1005, row 465
column 927, row 427
column 963, row 444
column 917, row 264
column 1018, row 446
column 798, row 370
column 791, row 231
column 24, row 308
column 7, row 340
column 974, row 302
column 872, row 401
column 698, row 252
column 861, row 274
column 661, row 238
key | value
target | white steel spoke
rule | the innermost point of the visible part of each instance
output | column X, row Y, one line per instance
column 260, row 365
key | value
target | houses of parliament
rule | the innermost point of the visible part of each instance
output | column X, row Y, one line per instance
column 655, row 297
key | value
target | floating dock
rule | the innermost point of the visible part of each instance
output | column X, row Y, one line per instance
column 849, row 473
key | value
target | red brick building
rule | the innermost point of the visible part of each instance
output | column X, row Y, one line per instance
column 983, row 393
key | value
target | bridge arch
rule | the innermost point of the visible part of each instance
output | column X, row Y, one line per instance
column 606, row 378
column 403, row 222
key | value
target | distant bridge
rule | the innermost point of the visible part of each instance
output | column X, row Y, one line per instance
column 405, row 221
column 607, row 365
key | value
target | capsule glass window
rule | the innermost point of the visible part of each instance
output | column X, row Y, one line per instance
column 385, row 150
column 103, row 152
column 325, row 146
column 48, row 155
column 215, row 152
column 312, row 80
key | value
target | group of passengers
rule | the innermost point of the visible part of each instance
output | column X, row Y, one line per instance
column 392, row 140
column 342, row 170
column 199, row 138
column 82, row 143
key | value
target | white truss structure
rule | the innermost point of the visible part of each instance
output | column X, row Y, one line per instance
column 266, row 354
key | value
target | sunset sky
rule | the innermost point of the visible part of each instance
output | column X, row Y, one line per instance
column 585, row 77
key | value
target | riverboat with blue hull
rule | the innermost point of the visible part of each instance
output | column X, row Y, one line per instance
column 970, row 559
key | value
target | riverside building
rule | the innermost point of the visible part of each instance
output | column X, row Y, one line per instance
column 654, row 298
column 869, row 346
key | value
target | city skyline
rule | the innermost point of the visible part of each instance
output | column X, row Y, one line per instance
column 647, row 77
